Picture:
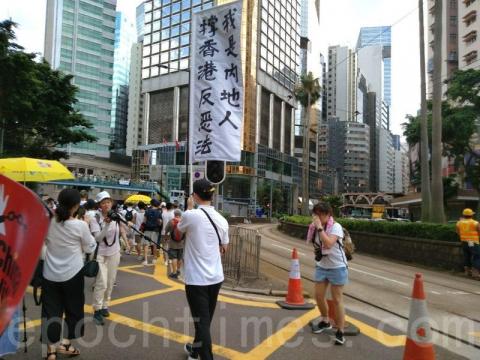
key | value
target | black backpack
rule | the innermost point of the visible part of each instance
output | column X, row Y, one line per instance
column 152, row 223
column 129, row 215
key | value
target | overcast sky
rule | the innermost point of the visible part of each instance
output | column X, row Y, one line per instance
column 340, row 24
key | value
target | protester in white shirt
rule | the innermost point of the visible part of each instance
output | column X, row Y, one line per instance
column 63, row 285
column 206, row 240
column 167, row 215
column 139, row 219
column 107, row 233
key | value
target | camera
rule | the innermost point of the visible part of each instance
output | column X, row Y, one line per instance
column 113, row 215
column 318, row 253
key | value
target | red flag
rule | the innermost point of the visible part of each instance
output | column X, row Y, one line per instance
column 177, row 145
column 23, row 227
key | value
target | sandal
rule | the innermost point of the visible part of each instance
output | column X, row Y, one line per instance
column 68, row 349
column 49, row 354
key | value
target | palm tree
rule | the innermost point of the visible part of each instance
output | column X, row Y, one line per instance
column 424, row 158
column 307, row 93
column 437, row 212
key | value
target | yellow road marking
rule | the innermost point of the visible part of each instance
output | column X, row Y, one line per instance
column 377, row 334
column 166, row 333
column 277, row 340
column 31, row 324
column 141, row 296
column 130, row 267
column 136, row 272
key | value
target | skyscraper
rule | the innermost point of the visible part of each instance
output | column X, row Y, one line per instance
column 124, row 38
column 140, row 21
column 342, row 83
column 374, row 36
column 79, row 40
column 270, row 30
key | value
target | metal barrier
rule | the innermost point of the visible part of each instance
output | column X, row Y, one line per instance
column 242, row 260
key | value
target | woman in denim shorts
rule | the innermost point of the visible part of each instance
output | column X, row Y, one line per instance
column 330, row 269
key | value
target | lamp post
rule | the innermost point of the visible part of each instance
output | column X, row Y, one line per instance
column 188, row 168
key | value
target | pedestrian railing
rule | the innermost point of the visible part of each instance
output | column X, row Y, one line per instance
column 242, row 260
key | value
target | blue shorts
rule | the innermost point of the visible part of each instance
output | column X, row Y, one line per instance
column 338, row 276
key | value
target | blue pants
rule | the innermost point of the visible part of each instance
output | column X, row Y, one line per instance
column 471, row 255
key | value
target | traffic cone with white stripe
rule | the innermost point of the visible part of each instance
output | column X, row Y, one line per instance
column 294, row 299
column 419, row 334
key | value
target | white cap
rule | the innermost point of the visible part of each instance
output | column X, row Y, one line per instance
column 101, row 196
column 163, row 204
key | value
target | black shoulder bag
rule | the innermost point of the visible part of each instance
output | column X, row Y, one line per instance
column 90, row 269
column 214, row 226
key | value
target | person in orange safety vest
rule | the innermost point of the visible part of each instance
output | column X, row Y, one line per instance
column 468, row 230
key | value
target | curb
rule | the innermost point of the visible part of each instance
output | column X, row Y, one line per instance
column 266, row 292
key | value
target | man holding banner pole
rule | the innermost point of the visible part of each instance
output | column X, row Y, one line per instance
column 215, row 131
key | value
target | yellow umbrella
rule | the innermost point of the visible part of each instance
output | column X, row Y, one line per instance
column 137, row 198
column 35, row 170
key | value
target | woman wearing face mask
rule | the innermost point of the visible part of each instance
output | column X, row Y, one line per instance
column 62, row 288
column 330, row 269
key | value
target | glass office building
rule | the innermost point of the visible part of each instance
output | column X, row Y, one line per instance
column 79, row 40
column 380, row 35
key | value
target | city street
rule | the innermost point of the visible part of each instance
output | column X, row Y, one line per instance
column 150, row 316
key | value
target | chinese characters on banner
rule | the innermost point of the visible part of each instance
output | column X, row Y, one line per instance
column 216, row 85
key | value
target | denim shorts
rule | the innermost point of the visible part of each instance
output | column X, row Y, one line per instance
column 338, row 276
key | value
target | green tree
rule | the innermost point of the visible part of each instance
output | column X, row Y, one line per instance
column 335, row 202
column 307, row 93
column 37, row 112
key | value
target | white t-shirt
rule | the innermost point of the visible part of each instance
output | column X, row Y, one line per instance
column 139, row 219
column 166, row 217
column 334, row 257
column 202, row 259
column 113, row 236
column 64, row 247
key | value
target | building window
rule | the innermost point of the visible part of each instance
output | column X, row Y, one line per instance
column 470, row 57
column 470, row 38
column 468, row 2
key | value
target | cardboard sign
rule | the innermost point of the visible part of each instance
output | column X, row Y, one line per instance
column 24, row 224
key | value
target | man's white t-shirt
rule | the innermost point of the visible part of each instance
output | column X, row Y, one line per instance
column 139, row 219
column 64, row 247
column 202, row 258
column 334, row 257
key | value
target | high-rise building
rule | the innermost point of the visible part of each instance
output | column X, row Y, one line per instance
column 270, row 29
column 124, row 38
column 379, row 36
column 135, row 128
column 342, row 83
column 468, row 30
column 140, row 21
column 345, row 147
column 450, row 39
column 79, row 40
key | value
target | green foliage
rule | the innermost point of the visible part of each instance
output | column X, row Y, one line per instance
column 335, row 202
column 414, row 230
column 36, row 104
column 308, row 86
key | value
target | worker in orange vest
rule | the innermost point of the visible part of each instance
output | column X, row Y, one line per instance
column 468, row 230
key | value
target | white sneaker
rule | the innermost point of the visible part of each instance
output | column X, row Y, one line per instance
column 166, row 263
column 154, row 261
column 145, row 263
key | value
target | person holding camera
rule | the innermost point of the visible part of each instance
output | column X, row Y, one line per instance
column 206, row 240
column 67, row 240
column 107, row 233
column 330, row 268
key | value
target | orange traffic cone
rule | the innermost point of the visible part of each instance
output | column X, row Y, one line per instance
column 419, row 334
column 294, row 299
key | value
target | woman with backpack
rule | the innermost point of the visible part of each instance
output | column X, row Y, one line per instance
column 63, row 281
column 330, row 268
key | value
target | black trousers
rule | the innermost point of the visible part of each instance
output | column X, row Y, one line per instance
column 202, row 301
column 63, row 298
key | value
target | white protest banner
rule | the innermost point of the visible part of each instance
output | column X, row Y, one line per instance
column 216, row 84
